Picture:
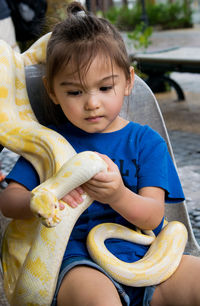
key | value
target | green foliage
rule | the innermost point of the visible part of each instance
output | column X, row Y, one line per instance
column 141, row 36
column 169, row 15
column 112, row 14
column 56, row 12
column 128, row 18
column 165, row 15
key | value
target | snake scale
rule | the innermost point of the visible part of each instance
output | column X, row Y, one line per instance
column 33, row 249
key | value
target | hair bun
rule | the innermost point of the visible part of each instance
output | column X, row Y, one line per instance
column 75, row 8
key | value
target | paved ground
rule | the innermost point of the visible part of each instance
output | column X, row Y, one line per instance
column 161, row 40
column 186, row 148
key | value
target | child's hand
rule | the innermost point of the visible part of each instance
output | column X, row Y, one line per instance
column 106, row 187
column 73, row 198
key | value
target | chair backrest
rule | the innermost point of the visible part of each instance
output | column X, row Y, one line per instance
column 144, row 109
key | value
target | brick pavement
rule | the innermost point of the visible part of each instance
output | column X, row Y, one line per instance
column 186, row 147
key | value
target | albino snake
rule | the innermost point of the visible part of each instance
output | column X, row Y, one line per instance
column 32, row 252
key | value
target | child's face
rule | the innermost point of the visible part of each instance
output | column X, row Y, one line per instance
column 95, row 107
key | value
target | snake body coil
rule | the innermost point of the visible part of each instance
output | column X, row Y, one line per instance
column 32, row 252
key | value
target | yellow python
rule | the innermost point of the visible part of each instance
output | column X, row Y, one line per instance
column 32, row 252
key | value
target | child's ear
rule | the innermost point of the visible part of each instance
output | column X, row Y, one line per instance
column 130, row 82
column 50, row 94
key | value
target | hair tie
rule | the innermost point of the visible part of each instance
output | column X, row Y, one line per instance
column 81, row 13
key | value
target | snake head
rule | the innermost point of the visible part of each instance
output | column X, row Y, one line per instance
column 44, row 204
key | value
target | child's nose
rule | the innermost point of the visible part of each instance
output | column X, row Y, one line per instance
column 92, row 102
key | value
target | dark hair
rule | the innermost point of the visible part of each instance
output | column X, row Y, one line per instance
column 78, row 39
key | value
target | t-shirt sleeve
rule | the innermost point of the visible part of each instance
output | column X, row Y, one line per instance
column 24, row 173
column 156, row 167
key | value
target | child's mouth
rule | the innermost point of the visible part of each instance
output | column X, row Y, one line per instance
column 94, row 119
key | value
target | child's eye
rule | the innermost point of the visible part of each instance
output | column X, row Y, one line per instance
column 74, row 93
column 106, row 88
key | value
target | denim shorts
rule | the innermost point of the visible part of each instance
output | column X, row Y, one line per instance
column 130, row 296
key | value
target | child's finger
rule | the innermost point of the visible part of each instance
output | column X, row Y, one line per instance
column 80, row 190
column 76, row 195
column 73, row 198
column 103, row 177
column 61, row 205
column 111, row 165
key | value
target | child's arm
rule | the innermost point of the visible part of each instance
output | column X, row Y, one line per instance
column 145, row 210
column 15, row 202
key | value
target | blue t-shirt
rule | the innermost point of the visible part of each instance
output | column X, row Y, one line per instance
column 143, row 160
